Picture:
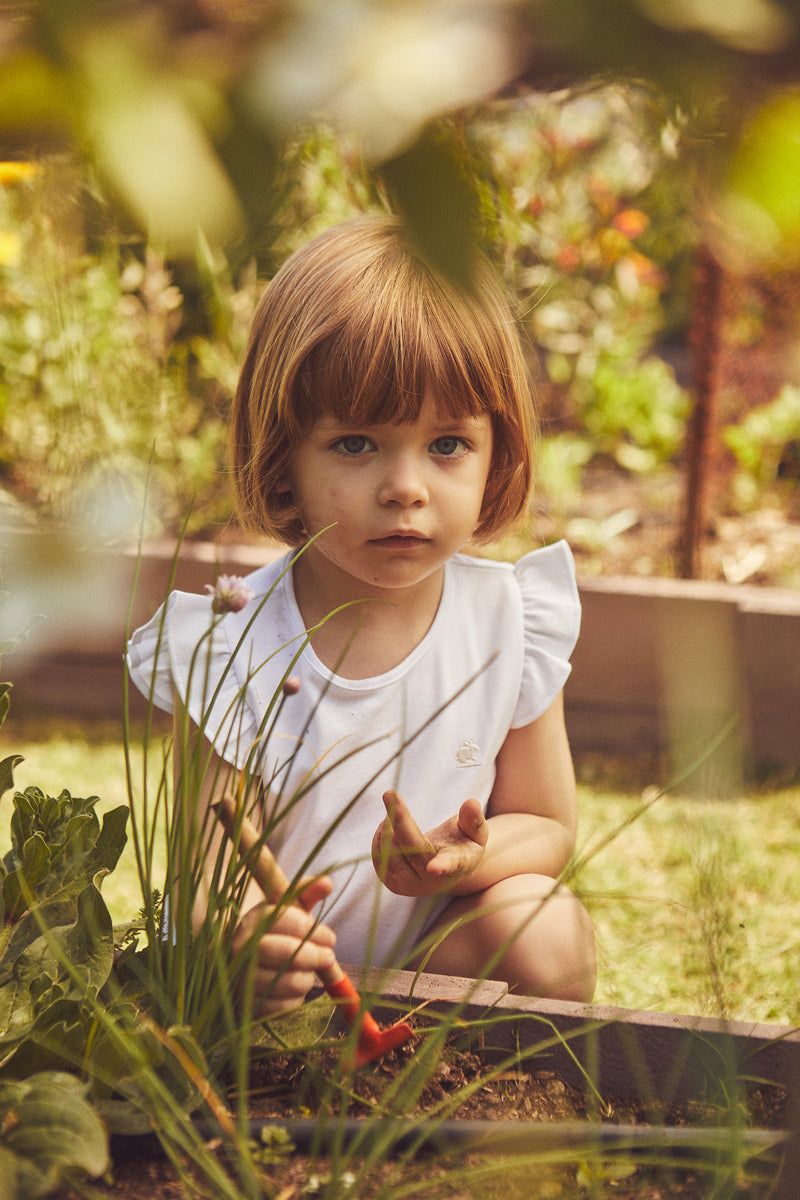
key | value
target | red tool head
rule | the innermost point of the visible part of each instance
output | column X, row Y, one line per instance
column 373, row 1041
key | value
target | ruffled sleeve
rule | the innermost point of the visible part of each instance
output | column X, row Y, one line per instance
column 551, row 620
column 183, row 649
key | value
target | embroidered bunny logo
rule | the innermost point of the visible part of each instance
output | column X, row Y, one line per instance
column 467, row 754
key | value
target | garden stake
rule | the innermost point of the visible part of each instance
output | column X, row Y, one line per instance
column 372, row 1040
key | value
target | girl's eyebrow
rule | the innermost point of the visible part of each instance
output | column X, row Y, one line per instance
column 461, row 422
column 441, row 424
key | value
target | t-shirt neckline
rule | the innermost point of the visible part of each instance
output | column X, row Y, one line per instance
column 372, row 681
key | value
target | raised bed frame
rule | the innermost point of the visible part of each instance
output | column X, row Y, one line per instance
column 661, row 665
column 656, row 1058
column 627, row 1052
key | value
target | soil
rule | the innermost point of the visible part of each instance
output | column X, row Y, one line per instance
column 625, row 524
column 288, row 1087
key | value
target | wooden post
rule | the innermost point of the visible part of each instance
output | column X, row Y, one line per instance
column 705, row 345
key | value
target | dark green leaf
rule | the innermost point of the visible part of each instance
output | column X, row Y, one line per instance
column 89, row 943
column 53, row 1130
column 22, row 818
column 77, row 957
column 7, row 766
column 21, row 884
column 111, row 840
column 438, row 203
column 299, row 1029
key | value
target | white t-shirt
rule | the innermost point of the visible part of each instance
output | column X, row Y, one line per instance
column 494, row 659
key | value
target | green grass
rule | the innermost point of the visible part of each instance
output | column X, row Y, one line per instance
column 695, row 902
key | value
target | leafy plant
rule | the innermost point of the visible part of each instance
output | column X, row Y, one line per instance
column 636, row 413
column 95, row 383
column 761, row 441
column 56, row 948
column 50, row 1134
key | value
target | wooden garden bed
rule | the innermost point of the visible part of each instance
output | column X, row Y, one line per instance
column 661, row 665
column 653, row 1114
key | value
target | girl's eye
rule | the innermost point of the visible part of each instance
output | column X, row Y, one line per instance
column 449, row 447
column 353, row 444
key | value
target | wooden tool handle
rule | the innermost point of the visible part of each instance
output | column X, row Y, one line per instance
column 241, row 831
column 271, row 879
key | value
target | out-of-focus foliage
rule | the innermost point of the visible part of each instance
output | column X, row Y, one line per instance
column 762, row 199
column 191, row 114
column 766, row 445
column 94, row 383
column 733, row 67
column 183, row 106
column 590, row 216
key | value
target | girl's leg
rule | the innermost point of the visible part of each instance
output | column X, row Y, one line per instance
column 526, row 930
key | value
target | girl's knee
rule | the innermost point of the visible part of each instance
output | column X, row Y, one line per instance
column 549, row 937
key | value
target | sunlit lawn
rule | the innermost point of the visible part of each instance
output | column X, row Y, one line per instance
column 696, row 903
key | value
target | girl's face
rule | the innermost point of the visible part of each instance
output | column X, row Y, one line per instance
column 404, row 498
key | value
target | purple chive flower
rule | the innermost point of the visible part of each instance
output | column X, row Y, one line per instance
column 291, row 686
column 231, row 594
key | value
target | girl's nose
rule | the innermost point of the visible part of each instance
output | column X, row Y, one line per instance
column 403, row 483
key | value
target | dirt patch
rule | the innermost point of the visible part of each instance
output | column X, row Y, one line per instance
column 623, row 524
column 468, row 1090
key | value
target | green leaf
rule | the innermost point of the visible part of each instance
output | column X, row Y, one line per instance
column 297, row 1030
column 111, row 840
column 7, row 766
column 57, row 1040
column 89, row 943
column 20, row 884
column 78, row 957
column 22, row 817
column 80, row 834
column 439, row 204
column 78, row 845
column 49, row 1131
column 765, row 172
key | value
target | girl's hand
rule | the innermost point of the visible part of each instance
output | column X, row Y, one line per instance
column 290, row 953
column 412, row 863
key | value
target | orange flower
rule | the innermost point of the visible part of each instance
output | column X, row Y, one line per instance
column 635, row 270
column 631, row 222
column 568, row 257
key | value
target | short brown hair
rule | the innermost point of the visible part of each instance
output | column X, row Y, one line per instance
column 357, row 324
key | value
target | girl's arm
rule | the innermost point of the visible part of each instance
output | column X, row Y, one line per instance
column 532, row 811
column 530, row 826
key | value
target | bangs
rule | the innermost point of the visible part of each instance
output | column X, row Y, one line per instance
column 420, row 337
column 381, row 385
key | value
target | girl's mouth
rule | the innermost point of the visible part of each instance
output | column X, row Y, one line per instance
column 400, row 541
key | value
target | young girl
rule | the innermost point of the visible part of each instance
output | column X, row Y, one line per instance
column 421, row 772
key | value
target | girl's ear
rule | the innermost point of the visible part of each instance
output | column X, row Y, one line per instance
column 283, row 485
